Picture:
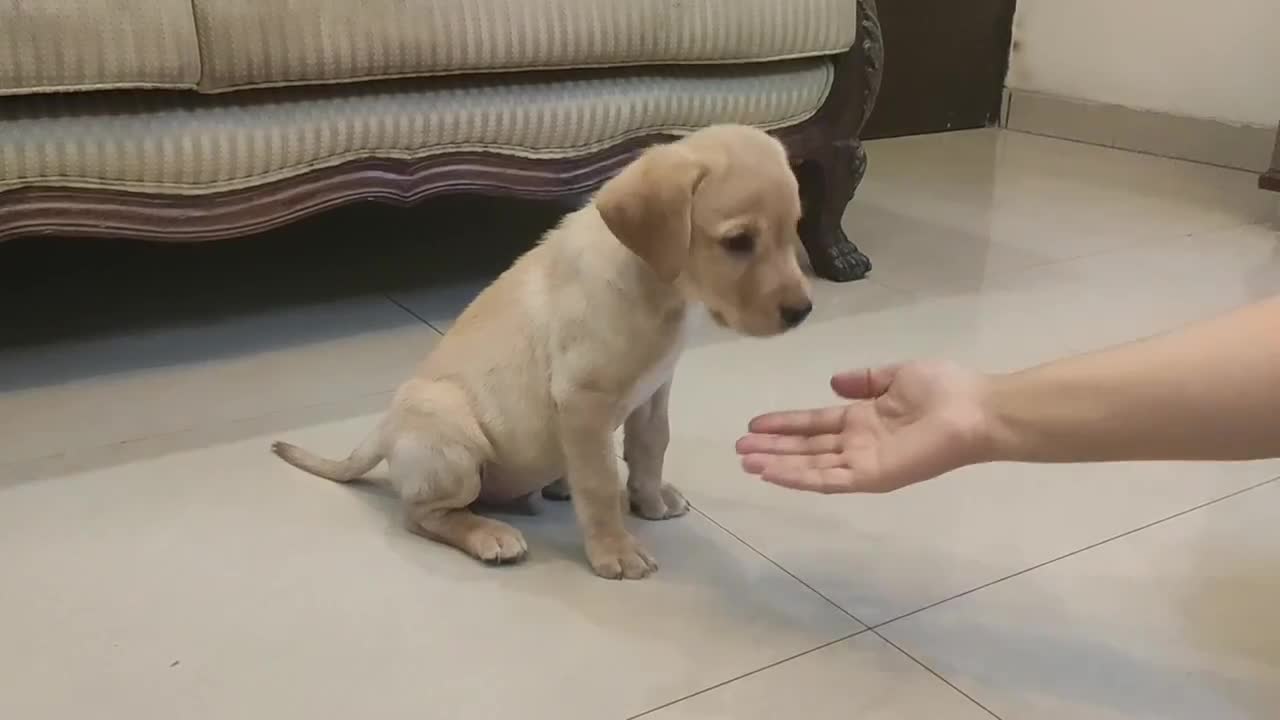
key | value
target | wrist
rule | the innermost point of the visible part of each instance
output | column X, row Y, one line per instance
column 969, row 422
column 998, row 440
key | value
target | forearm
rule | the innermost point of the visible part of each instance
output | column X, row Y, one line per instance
column 1208, row 392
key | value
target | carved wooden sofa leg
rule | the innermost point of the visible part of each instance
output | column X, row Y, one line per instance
column 828, row 156
column 827, row 184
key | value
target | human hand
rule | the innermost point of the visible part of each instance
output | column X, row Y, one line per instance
column 907, row 423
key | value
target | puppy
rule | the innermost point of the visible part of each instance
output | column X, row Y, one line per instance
column 581, row 336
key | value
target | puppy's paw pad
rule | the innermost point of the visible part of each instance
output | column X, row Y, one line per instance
column 498, row 547
column 621, row 559
column 667, row 503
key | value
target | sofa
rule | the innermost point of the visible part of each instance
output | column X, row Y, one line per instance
column 195, row 120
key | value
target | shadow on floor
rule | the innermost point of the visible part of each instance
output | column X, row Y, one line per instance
column 74, row 291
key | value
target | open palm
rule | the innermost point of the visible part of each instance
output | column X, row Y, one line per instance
column 905, row 424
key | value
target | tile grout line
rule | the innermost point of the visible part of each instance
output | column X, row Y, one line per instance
column 864, row 629
column 1132, row 244
column 748, row 674
column 850, row 636
column 876, row 627
column 161, row 435
column 1133, row 151
column 415, row 315
column 775, row 563
column 936, row 674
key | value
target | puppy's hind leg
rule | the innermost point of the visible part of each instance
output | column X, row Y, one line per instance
column 438, row 485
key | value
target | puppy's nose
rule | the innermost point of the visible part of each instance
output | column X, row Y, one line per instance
column 793, row 315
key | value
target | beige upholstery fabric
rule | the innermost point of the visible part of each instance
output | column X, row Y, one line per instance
column 273, row 42
column 59, row 45
column 189, row 143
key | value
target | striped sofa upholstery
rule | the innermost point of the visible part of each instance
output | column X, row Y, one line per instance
column 248, row 43
column 201, row 96
column 63, row 45
column 186, row 143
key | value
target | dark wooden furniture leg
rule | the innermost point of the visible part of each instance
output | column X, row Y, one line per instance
column 826, row 187
column 1270, row 180
column 829, row 158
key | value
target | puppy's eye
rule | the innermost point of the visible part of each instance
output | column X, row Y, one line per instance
column 739, row 244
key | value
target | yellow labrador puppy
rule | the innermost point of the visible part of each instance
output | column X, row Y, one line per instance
column 580, row 337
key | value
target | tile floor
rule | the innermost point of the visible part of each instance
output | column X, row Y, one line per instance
column 158, row 563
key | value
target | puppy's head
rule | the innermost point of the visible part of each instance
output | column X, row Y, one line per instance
column 716, row 214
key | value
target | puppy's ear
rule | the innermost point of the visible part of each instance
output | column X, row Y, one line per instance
column 649, row 205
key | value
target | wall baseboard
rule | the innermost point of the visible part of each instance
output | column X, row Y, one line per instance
column 1205, row 141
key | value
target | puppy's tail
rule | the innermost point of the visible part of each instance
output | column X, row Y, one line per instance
column 360, row 461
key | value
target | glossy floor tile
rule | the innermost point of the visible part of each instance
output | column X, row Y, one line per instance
column 68, row 396
column 863, row 677
column 883, row 557
column 220, row 582
column 1176, row 621
column 160, row 563
column 951, row 211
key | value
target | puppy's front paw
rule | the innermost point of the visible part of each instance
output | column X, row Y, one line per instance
column 497, row 544
column 620, row 557
column 665, row 503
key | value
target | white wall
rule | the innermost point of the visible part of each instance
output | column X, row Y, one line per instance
column 1216, row 60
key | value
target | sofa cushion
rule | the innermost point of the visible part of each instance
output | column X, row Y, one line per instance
column 62, row 45
column 185, row 143
column 276, row 42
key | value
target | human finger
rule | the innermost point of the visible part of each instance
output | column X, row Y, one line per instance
column 863, row 383
column 827, row 481
column 788, row 444
column 821, row 421
column 760, row 463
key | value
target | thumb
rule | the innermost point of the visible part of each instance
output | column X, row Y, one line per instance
column 864, row 383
